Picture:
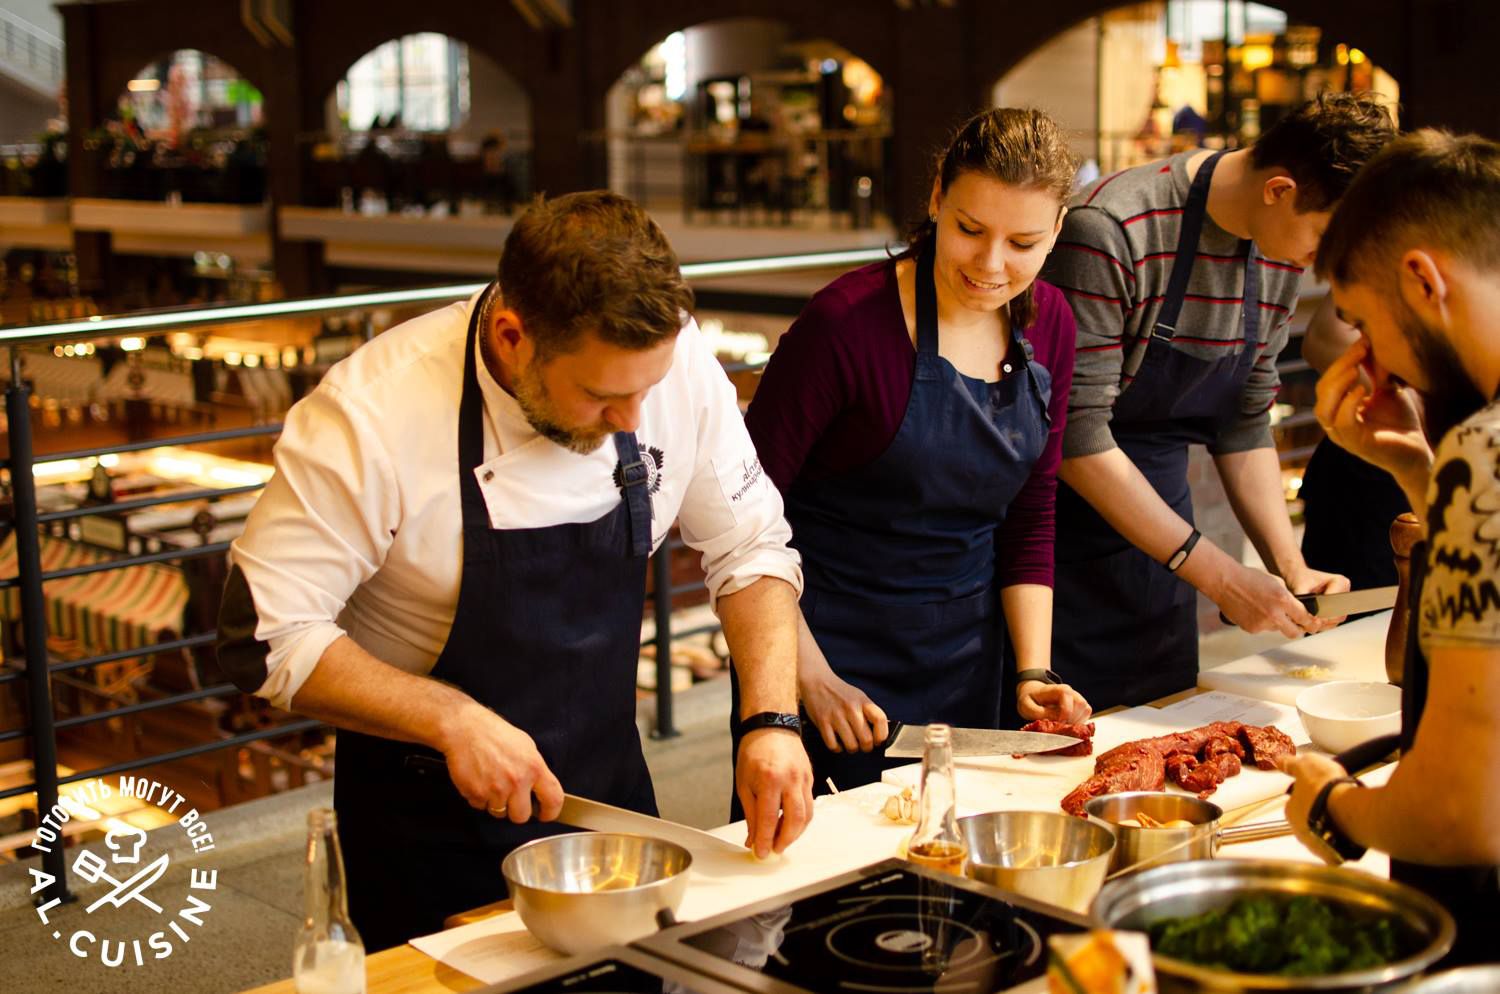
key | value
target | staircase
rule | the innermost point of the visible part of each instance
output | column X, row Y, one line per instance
column 30, row 57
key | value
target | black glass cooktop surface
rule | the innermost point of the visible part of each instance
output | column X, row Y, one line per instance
column 613, row 971
column 891, row 929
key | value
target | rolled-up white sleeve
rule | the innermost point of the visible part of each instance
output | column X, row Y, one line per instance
column 731, row 512
column 323, row 526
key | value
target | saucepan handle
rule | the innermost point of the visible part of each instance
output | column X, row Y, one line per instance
column 1254, row 832
column 1367, row 754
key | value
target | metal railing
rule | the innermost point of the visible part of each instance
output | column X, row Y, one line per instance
column 42, row 724
column 39, row 52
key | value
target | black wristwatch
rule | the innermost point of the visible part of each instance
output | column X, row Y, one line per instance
column 1046, row 676
column 771, row 719
column 1320, row 820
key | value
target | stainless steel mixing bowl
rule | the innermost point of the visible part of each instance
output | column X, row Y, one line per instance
column 1176, row 889
column 1045, row 855
column 586, row 890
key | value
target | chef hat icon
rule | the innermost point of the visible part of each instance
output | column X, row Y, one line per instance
column 126, row 842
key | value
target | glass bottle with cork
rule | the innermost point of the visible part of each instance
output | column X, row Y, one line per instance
column 329, row 957
column 935, row 843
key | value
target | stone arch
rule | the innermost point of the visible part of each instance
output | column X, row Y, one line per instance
column 495, row 30
column 632, row 28
column 1374, row 26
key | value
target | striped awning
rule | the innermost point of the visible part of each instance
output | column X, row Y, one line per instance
column 118, row 609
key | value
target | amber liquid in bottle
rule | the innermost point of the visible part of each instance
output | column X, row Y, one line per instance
column 935, row 843
column 938, row 854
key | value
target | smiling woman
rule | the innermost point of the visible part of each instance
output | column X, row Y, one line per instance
column 937, row 381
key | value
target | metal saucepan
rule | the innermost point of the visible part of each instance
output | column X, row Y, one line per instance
column 585, row 890
column 1178, row 889
column 1137, row 848
column 1045, row 855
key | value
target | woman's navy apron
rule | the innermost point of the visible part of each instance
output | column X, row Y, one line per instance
column 1470, row 893
column 1125, row 630
column 899, row 555
column 547, row 634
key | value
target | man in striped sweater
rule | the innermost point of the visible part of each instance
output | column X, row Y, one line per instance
column 1182, row 275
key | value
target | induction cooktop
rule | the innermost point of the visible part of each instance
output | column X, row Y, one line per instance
column 891, row 927
column 617, row 970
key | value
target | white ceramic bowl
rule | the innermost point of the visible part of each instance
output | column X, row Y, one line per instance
column 1342, row 714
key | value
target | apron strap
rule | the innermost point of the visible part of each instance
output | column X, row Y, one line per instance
column 927, row 322
column 1252, row 304
column 1187, row 250
column 633, row 481
column 471, row 426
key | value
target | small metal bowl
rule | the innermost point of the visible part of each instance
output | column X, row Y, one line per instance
column 586, row 890
column 1176, row 889
column 1045, row 855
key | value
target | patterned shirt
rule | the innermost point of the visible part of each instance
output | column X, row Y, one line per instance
column 1113, row 260
column 1460, row 600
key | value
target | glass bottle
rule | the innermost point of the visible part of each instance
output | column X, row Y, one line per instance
column 329, row 957
column 935, row 842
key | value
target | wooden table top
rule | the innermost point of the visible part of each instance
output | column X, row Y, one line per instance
column 404, row 970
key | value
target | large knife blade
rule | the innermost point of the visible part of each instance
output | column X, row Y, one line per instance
column 1352, row 602
column 906, row 742
column 600, row 817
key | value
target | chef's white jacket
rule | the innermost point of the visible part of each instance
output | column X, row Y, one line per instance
column 359, row 531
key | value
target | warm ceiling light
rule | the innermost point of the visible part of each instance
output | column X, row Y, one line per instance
column 143, row 85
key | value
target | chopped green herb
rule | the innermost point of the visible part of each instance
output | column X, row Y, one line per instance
column 1303, row 937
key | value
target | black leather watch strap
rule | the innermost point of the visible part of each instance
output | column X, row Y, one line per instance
column 1046, row 676
column 771, row 719
column 1320, row 820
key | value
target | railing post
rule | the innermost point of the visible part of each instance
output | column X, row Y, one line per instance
column 661, row 577
column 34, row 621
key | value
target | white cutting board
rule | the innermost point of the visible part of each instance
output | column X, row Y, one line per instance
column 1353, row 651
column 1039, row 783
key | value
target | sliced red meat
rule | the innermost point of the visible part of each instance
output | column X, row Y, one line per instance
column 1198, row 760
column 1084, row 734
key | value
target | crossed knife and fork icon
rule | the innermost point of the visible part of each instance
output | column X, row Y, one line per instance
column 92, row 867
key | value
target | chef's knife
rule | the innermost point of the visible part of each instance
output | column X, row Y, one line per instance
column 906, row 742
column 1339, row 605
column 600, row 817
column 1353, row 602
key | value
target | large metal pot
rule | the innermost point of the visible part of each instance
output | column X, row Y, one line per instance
column 1143, row 847
column 587, row 890
column 1045, row 855
column 1468, row 980
column 1139, row 900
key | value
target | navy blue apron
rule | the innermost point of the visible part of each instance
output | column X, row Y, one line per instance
column 1125, row 630
column 899, row 555
column 1470, row 893
column 546, row 633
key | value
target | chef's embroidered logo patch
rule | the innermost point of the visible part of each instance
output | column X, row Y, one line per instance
column 652, row 459
column 125, row 916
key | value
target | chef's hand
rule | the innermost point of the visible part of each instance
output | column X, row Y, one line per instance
column 1373, row 416
column 1311, row 772
column 497, row 767
column 1304, row 580
column 774, row 782
column 843, row 714
column 1058, row 701
column 1259, row 602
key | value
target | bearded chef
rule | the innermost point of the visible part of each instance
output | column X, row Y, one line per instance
column 449, row 564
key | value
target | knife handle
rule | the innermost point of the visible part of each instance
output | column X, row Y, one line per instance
column 1309, row 601
column 890, row 739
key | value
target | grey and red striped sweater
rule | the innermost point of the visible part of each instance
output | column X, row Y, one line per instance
column 1112, row 262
